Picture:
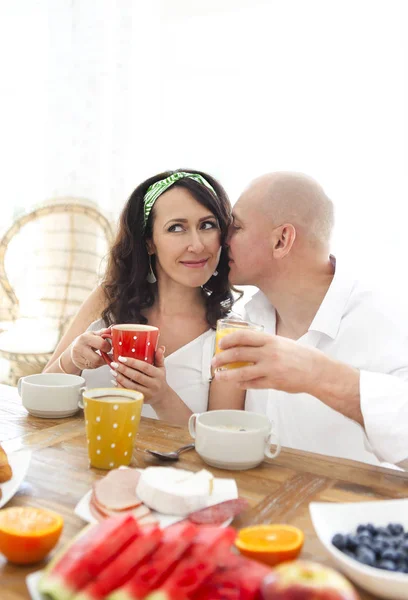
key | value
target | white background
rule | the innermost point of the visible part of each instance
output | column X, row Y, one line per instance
column 96, row 95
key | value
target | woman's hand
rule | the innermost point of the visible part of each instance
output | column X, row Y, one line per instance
column 148, row 379
column 83, row 349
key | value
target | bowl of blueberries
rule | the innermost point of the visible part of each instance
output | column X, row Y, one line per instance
column 368, row 542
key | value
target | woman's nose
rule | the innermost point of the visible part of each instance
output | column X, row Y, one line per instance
column 196, row 243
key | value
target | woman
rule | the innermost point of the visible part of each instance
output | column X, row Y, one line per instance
column 168, row 268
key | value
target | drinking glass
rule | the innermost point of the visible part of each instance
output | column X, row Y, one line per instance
column 230, row 325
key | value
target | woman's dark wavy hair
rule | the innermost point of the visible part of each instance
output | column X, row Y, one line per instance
column 127, row 291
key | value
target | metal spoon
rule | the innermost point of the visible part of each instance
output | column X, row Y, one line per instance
column 170, row 455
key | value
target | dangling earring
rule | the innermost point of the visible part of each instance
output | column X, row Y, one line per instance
column 151, row 277
column 215, row 273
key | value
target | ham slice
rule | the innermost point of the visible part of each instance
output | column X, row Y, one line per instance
column 141, row 513
column 117, row 490
column 94, row 511
column 138, row 511
column 115, row 495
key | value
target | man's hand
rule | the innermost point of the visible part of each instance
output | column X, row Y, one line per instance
column 282, row 364
column 277, row 362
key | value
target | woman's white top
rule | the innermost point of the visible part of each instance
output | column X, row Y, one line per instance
column 188, row 372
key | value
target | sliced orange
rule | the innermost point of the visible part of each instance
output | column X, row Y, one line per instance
column 271, row 544
column 28, row 534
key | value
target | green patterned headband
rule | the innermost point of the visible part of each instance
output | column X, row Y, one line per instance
column 158, row 188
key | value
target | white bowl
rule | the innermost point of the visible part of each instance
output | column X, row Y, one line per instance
column 331, row 518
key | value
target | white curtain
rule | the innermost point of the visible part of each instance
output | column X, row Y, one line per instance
column 98, row 94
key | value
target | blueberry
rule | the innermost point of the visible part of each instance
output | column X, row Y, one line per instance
column 380, row 539
column 388, row 565
column 404, row 546
column 371, row 529
column 389, row 554
column 395, row 528
column 383, row 531
column 339, row 541
column 396, row 541
column 364, row 540
column 351, row 542
column 399, row 556
column 348, row 552
column 365, row 556
column 378, row 548
column 362, row 529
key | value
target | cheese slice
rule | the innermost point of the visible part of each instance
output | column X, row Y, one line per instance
column 174, row 491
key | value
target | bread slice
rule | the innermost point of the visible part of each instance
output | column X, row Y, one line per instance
column 5, row 470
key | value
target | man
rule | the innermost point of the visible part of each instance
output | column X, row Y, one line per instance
column 334, row 378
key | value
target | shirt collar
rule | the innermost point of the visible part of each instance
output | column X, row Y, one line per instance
column 260, row 310
column 330, row 313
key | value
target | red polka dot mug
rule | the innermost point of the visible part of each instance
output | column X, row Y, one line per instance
column 134, row 341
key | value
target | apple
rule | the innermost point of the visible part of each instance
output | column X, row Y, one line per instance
column 306, row 580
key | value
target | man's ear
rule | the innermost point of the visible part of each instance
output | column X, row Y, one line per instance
column 283, row 238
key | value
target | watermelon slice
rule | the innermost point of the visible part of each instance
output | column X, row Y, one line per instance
column 87, row 556
column 239, row 579
column 123, row 566
column 211, row 547
column 175, row 541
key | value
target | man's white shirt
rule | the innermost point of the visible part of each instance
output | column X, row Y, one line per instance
column 355, row 326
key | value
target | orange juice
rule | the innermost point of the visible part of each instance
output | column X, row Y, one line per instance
column 112, row 417
column 227, row 326
column 220, row 333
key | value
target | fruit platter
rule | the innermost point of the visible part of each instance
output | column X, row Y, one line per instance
column 117, row 559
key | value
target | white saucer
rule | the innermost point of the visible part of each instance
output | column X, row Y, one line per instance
column 52, row 414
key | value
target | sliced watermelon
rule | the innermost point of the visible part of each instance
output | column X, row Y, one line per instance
column 211, row 546
column 239, row 579
column 123, row 566
column 87, row 556
column 175, row 541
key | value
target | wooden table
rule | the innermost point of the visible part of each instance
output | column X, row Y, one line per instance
column 278, row 491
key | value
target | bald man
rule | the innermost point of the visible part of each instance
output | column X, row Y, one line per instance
column 331, row 369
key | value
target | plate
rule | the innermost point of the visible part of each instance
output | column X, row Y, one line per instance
column 224, row 489
column 330, row 518
column 19, row 462
column 32, row 582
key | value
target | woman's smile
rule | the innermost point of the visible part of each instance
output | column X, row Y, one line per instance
column 195, row 264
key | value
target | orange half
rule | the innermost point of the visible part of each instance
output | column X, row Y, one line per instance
column 271, row 544
column 28, row 534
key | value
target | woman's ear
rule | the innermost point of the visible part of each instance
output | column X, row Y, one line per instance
column 150, row 247
column 283, row 238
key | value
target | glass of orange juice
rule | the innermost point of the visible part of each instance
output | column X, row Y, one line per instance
column 230, row 325
column 112, row 417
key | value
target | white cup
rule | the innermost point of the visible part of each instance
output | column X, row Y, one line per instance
column 221, row 441
column 51, row 395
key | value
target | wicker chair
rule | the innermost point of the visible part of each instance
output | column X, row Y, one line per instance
column 50, row 260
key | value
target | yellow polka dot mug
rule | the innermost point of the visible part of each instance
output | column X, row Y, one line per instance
column 112, row 417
